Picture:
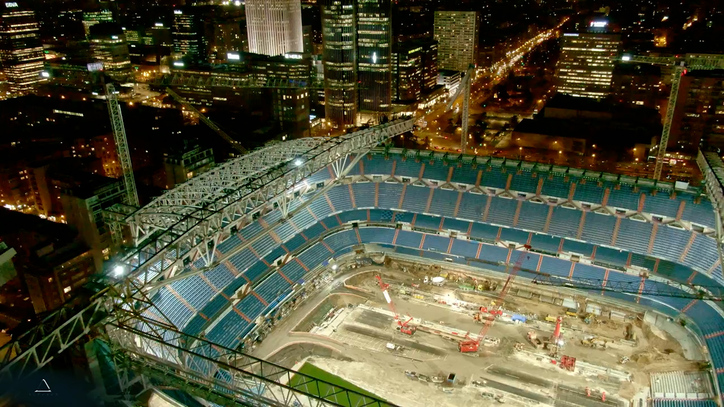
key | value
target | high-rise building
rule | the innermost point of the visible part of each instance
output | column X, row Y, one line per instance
column 585, row 67
column 290, row 106
column 637, row 84
column 21, row 52
column 374, row 45
column 188, row 34
column 414, row 69
column 108, row 46
column 457, row 35
column 274, row 27
column 339, row 35
column 91, row 18
column 699, row 112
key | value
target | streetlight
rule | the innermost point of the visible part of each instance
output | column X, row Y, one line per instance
column 118, row 271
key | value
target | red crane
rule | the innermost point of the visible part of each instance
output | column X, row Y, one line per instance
column 470, row 345
column 401, row 326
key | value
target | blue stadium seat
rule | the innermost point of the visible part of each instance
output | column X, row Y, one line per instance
column 436, row 243
column 408, row 239
column 555, row 186
column 555, row 266
column 437, row 171
column 532, row 216
column 493, row 253
column 598, row 228
column 293, row 271
column 378, row 215
column 263, row 245
column 443, row 202
column 364, row 194
column 255, row 271
column 250, row 306
column 404, row 217
column 316, row 255
column 341, row 239
column 463, row 248
column 194, row 290
column 465, row 175
column 176, row 311
column 376, row 235
column 483, row 231
column 456, row 224
column 272, row 287
column 429, row 222
column 472, row 206
column 670, row 242
column 378, row 165
column 574, row 246
column 415, row 199
column 340, row 198
column 494, row 177
column 285, row 231
column 587, row 271
column 502, row 211
column 390, row 195
column 523, row 182
column 589, row 192
column 514, row 235
column 355, row 215
column 623, row 198
column 220, row 276
column 661, row 204
column 320, row 208
column 302, row 219
column 408, row 168
column 229, row 244
column 611, row 256
column 275, row 254
column 564, row 222
column 545, row 243
column 634, row 235
column 702, row 254
column 701, row 213
column 225, row 331
column 643, row 261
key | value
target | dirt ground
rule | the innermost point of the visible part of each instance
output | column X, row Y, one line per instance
column 366, row 361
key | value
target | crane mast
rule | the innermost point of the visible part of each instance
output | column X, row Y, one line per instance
column 233, row 143
column 404, row 328
column 470, row 345
column 464, row 88
column 119, row 136
column 680, row 67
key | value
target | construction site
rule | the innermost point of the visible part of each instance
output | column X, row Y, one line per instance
column 421, row 334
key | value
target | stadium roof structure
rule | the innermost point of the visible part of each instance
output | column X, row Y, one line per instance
column 185, row 224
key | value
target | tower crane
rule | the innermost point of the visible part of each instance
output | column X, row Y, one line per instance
column 233, row 143
column 464, row 88
column 402, row 326
column 680, row 66
column 472, row 345
column 119, row 136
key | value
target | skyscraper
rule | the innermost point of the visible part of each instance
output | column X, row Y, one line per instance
column 108, row 45
column 699, row 112
column 188, row 33
column 585, row 67
column 339, row 34
column 374, row 69
column 21, row 52
column 274, row 27
column 457, row 35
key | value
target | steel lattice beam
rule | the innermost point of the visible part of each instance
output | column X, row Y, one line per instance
column 680, row 65
column 221, row 374
column 119, row 135
column 188, row 221
column 207, row 80
column 666, row 289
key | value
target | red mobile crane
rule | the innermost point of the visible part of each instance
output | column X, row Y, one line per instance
column 402, row 326
column 469, row 345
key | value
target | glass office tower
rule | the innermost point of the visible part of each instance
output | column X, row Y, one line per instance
column 339, row 32
column 374, row 69
column 21, row 52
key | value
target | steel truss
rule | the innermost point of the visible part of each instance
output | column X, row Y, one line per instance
column 219, row 374
column 187, row 223
column 712, row 168
column 679, row 65
column 145, row 348
column 206, row 80
column 667, row 289
column 119, row 136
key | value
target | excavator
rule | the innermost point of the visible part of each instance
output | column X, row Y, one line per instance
column 472, row 345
